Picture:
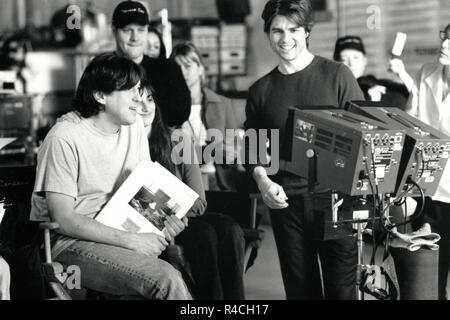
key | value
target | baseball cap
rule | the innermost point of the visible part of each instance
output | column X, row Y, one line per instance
column 348, row 42
column 128, row 12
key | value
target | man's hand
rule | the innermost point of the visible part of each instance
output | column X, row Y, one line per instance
column 376, row 92
column 273, row 194
column 173, row 226
column 150, row 244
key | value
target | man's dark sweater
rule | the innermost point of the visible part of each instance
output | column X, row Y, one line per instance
column 171, row 91
column 322, row 83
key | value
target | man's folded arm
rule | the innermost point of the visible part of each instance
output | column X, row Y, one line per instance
column 61, row 209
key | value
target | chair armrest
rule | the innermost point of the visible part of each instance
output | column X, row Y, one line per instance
column 253, row 234
column 256, row 195
column 49, row 225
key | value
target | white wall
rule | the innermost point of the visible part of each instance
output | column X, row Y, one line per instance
column 420, row 20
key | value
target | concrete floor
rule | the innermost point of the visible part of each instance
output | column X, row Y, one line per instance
column 263, row 280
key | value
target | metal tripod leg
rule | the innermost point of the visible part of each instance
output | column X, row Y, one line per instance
column 359, row 267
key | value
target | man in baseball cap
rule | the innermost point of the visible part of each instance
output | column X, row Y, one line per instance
column 350, row 50
column 130, row 22
column 129, row 12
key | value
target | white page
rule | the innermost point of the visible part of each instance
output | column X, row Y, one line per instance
column 2, row 211
column 5, row 141
column 149, row 179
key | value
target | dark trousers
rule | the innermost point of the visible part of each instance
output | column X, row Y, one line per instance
column 214, row 246
column 437, row 214
column 298, row 232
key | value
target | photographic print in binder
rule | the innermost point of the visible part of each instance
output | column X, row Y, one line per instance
column 146, row 197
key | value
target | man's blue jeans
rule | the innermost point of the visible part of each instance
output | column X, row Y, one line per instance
column 122, row 272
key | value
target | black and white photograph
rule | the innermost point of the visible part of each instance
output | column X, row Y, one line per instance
column 245, row 154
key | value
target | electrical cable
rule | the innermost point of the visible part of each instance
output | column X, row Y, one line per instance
column 375, row 192
column 417, row 212
column 422, row 160
column 402, row 195
column 406, row 216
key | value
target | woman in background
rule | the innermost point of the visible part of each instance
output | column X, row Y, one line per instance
column 213, row 243
column 156, row 48
column 430, row 103
column 208, row 111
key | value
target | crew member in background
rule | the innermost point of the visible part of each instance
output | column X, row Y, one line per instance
column 209, row 110
column 350, row 51
column 130, row 23
column 156, row 47
column 213, row 243
column 430, row 102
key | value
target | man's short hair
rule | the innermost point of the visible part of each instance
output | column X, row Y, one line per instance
column 106, row 73
column 299, row 11
column 128, row 12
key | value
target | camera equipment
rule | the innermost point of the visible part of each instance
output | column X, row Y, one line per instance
column 351, row 153
column 425, row 152
column 16, row 121
column 7, row 82
column 355, row 155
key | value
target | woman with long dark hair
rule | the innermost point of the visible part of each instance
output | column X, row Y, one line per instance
column 155, row 46
column 213, row 243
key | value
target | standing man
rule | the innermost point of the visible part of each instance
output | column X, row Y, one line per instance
column 130, row 23
column 430, row 102
column 80, row 166
column 301, row 79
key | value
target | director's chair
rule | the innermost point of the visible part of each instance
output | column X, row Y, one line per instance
column 243, row 208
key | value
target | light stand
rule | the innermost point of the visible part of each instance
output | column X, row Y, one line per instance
column 359, row 266
column 359, row 223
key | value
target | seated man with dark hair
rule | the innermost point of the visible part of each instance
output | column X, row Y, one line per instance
column 81, row 165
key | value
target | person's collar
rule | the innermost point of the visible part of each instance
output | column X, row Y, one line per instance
column 434, row 75
column 101, row 124
column 211, row 96
column 298, row 65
